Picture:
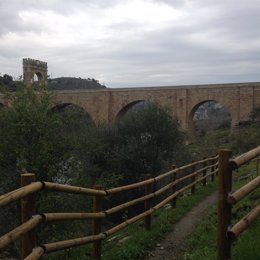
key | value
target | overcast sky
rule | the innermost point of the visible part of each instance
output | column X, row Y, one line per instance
column 133, row 43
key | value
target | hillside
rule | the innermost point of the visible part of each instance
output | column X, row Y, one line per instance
column 62, row 83
column 73, row 83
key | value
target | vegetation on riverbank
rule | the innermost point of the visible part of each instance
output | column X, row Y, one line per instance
column 134, row 242
column 202, row 243
column 65, row 146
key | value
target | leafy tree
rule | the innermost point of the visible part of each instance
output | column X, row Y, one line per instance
column 150, row 141
column 8, row 84
column 34, row 137
column 30, row 137
column 144, row 141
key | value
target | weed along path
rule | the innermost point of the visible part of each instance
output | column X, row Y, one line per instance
column 171, row 248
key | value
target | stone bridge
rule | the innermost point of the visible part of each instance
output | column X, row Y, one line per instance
column 108, row 105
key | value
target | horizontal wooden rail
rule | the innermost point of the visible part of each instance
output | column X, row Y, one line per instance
column 157, row 178
column 240, row 226
column 206, row 167
column 35, row 254
column 71, row 216
column 96, row 237
column 165, row 188
column 16, row 233
column 166, row 174
column 20, row 193
column 197, row 172
column 215, row 171
column 128, row 222
column 245, row 190
column 165, row 201
column 184, row 167
column 60, row 245
column 225, row 234
column 244, row 158
column 138, row 200
column 174, row 195
column 188, row 176
column 129, row 187
column 72, row 189
column 156, row 207
column 128, row 204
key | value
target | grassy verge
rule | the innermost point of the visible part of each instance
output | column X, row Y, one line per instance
column 134, row 242
column 202, row 243
column 140, row 242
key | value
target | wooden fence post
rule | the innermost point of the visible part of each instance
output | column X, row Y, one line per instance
column 174, row 187
column 193, row 179
column 213, row 161
column 217, row 165
column 224, row 208
column 147, row 204
column 97, row 207
column 204, row 181
column 27, row 211
column 257, row 166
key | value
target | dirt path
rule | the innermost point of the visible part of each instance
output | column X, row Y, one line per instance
column 171, row 247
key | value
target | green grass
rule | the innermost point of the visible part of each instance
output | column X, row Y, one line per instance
column 239, row 140
column 202, row 243
column 139, row 241
column 210, row 143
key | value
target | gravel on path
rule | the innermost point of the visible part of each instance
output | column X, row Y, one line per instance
column 171, row 248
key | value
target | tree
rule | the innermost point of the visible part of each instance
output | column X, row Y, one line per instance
column 6, row 82
column 150, row 141
column 35, row 138
column 30, row 137
column 144, row 141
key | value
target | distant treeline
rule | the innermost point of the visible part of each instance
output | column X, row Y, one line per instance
column 6, row 81
column 73, row 83
column 66, row 83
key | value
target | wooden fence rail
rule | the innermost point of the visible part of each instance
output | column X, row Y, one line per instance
column 226, row 198
column 187, row 175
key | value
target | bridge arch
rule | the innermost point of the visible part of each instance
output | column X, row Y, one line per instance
column 37, row 76
column 81, row 112
column 205, row 113
column 34, row 71
column 129, row 106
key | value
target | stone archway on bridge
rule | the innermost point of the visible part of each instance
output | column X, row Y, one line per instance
column 208, row 114
column 35, row 72
column 74, row 110
column 131, row 105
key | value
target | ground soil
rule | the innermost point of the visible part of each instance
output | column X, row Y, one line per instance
column 171, row 248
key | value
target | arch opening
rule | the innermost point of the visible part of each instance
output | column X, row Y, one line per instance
column 37, row 80
column 209, row 115
column 135, row 105
column 72, row 113
column 37, row 77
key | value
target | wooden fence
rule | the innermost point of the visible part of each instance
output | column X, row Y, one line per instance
column 227, row 198
column 188, row 175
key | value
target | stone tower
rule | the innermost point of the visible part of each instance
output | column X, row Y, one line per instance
column 34, row 72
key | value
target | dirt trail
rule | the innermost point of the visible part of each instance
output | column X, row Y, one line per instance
column 171, row 247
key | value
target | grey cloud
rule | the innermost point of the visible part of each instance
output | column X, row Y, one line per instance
column 11, row 22
column 173, row 3
column 165, row 56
